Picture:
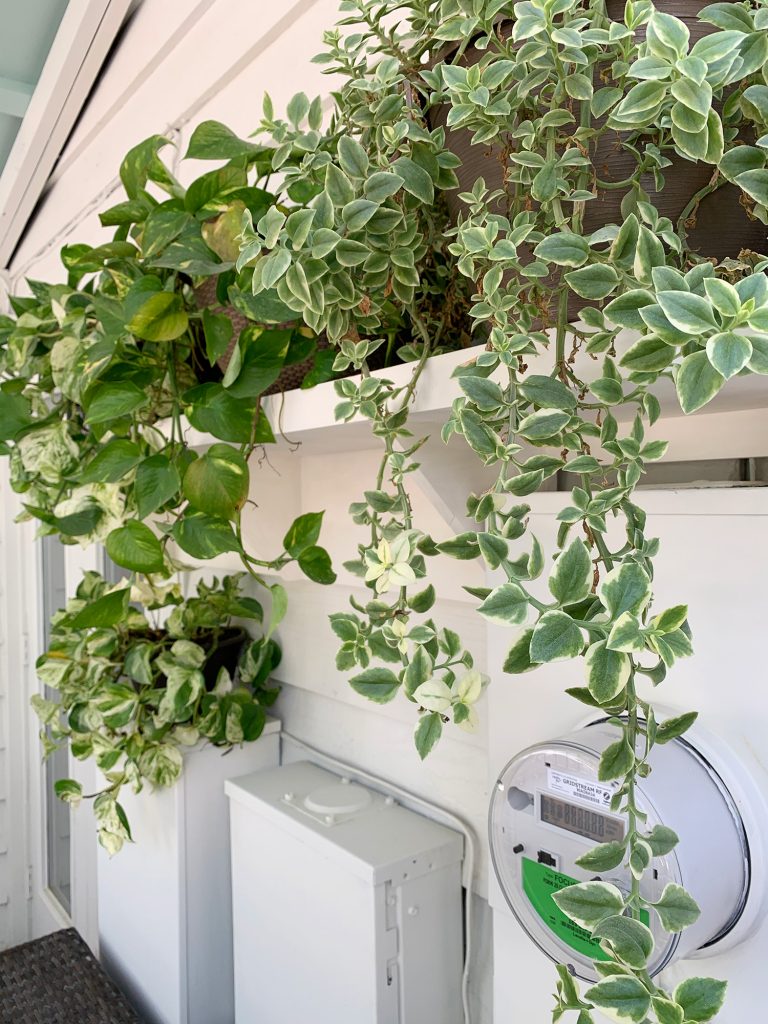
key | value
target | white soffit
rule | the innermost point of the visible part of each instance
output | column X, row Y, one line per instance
column 50, row 54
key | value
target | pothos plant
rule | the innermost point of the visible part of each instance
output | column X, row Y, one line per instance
column 132, row 694
column 103, row 376
column 539, row 85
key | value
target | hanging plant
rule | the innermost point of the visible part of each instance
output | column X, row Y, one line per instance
column 135, row 688
column 103, row 375
column 573, row 270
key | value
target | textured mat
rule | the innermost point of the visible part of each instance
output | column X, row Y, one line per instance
column 57, row 980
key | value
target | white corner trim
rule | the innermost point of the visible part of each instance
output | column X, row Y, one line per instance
column 87, row 30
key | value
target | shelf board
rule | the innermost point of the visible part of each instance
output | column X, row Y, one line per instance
column 306, row 418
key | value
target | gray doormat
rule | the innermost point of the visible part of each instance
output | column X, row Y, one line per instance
column 57, row 980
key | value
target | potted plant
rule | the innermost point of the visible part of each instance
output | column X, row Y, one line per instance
column 582, row 304
column 136, row 687
column 100, row 374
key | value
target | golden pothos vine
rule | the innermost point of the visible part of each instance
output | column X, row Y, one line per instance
column 578, row 325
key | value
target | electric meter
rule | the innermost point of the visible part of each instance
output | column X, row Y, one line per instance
column 549, row 808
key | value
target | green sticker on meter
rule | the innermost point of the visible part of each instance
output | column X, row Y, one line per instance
column 540, row 882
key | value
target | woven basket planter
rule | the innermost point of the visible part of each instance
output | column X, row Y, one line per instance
column 721, row 227
column 290, row 378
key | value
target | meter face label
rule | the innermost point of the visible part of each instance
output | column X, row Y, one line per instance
column 540, row 883
column 579, row 789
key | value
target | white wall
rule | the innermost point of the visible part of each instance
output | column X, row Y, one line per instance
column 180, row 63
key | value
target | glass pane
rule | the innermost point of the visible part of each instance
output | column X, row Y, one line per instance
column 54, row 596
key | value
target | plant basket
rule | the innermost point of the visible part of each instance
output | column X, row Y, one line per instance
column 718, row 228
column 290, row 378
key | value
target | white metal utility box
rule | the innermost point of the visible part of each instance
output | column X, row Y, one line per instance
column 346, row 906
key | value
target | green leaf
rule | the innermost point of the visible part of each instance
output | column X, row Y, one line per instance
column 667, row 1012
column 213, row 410
column 688, row 312
column 676, row 908
column 111, row 401
column 571, row 577
column 604, row 857
column 524, row 483
column 629, row 940
column 755, row 184
column 482, row 392
column 729, row 352
column 218, row 482
column 157, row 482
column 117, row 705
column 203, row 536
column 415, row 179
column 701, row 998
column 616, row 761
column 429, row 729
column 382, row 185
column 723, row 296
column 563, row 248
column 697, row 382
column 218, row 332
column 279, row 607
column 161, row 317
column 315, row 563
column 542, row 424
column 595, row 281
column 265, row 308
column 464, row 546
column 555, row 637
column 493, row 548
column 507, row 603
column 519, row 657
column 15, row 414
column 68, row 790
column 212, row 140
column 625, row 309
column 377, row 684
column 667, row 36
column 357, row 213
column 621, row 996
column 607, row 672
column 547, row 392
column 303, row 533
column 139, row 163
column 626, row 588
column 589, row 903
column 104, row 611
column 134, row 546
column 115, row 460
column 674, row 727
column 648, row 355
column 352, row 157
column 626, row 634
column 662, row 840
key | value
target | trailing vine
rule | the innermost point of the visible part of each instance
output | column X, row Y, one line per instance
column 544, row 86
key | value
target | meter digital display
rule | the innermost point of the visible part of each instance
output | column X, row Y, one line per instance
column 582, row 820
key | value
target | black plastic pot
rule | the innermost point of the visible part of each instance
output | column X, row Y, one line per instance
column 226, row 654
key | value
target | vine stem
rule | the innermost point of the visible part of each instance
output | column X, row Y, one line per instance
column 630, row 731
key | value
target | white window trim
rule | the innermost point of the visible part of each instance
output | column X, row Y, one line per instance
column 85, row 35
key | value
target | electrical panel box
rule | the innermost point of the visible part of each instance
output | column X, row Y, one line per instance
column 346, row 905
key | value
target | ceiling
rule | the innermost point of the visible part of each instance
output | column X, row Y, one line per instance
column 25, row 41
